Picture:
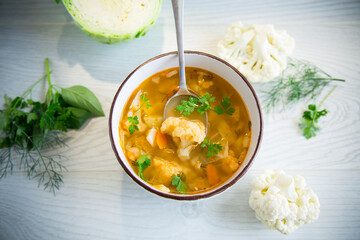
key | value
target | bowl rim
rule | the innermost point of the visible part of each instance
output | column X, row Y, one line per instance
column 205, row 194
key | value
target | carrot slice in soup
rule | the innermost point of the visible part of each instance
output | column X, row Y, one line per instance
column 161, row 140
column 212, row 174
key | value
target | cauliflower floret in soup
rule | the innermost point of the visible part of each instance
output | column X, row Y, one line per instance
column 185, row 133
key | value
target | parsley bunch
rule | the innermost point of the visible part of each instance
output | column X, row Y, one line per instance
column 29, row 129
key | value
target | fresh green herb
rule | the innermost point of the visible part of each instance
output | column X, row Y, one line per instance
column 178, row 181
column 211, row 147
column 225, row 103
column 309, row 121
column 201, row 104
column 134, row 124
column 145, row 101
column 134, row 120
column 57, row 1
column 187, row 107
column 29, row 129
column 143, row 162
column 205, row 102
column 300, row 80
column 81, row 97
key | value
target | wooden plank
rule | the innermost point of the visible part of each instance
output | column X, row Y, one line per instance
column 108, row 205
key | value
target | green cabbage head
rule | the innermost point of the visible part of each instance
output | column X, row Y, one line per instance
column 113, row 21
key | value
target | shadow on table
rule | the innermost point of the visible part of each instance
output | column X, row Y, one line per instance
column 109, row 63
column 160, row 218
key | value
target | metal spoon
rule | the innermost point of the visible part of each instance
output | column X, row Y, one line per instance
column 183, row 93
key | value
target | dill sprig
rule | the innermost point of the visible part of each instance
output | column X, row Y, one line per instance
column 300, row 80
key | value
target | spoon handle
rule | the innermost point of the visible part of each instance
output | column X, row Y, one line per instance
column 178, row 8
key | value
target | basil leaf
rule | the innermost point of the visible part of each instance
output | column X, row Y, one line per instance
column 82, row 97
column 78, row 117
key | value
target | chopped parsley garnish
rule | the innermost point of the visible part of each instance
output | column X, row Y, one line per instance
column 145, row 101
column 205, row 103
column 187, row 107
column 134, row 124
column 201, row 105
column 225, row 107
column 143, row 162
column 134, row 120
column 211, row 147
column 178, row 181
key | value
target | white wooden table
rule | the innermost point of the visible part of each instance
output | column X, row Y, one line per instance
column 99, row 201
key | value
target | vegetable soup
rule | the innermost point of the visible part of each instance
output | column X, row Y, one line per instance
column 178, row 154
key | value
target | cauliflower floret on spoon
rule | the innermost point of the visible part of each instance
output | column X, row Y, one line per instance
column 258, row 51
column 185, row 133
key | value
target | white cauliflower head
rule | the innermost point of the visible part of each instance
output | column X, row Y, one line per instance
column 258, row 51
column 282, row 202
column 185, row 133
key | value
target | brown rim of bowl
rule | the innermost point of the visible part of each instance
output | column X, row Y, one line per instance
column 194, row 196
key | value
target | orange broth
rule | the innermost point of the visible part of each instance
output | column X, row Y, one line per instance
column 199, row 173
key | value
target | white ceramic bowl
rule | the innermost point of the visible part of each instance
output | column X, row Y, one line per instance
column 192, row 59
